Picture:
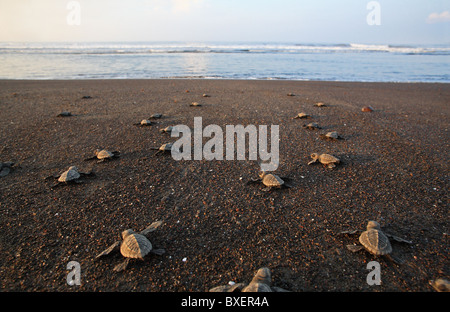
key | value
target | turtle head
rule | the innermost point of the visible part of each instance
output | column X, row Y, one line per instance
column 262, row 174
column 126, row 233
column 315, row 156
column 373, row 225
column 97, row 151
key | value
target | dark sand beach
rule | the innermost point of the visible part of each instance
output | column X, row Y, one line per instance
column 216, row 228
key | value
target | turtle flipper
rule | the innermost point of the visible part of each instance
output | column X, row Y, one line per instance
column 229, row 288
column 252, row 181
column 354, row 248
column 121, row 266
column 57, row 184
column 5, row 171
column 89, row 173
column 312, row 162
column 151, row 227
column 113, row 247
column 398, row 239
column 90, row 158
column 395, row 259
column 351, row 232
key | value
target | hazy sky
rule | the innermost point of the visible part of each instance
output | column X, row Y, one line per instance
column 307, row 21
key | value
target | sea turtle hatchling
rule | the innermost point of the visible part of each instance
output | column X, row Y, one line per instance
column 328, row 160
column 155, row 116
column 312, row 126
column 261, row 282
column 65, row 114
column 5, row 168
column 144, row 123
column 71, row 175
column 319, row 104
column 167, row 147
column 270, row 181
column 333, row 135
column 133, row 246
column 168, row 129
column 375, row 241
column 195, row 104
column 301, row 116
column 103, row 155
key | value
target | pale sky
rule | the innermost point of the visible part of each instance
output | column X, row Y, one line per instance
column 298, row 21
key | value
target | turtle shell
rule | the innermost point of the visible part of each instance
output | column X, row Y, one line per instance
column 375, row 242
column 145, row 122
column 167, row 129
column 272, row 180
column 312, row 125
column 69, row 175
column 135, row 246
column 332, row 135
column 166, row 147
column 328, row 159
column 257, row 287
column 262, row 276
column 302, row 115
column 104, row 154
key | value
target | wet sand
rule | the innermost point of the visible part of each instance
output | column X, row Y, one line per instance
column 394, row 169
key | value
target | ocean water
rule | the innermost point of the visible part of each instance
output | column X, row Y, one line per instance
column 292, row 61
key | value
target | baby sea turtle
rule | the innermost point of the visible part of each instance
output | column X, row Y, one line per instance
column 333, row 135
column 290, row 94
column 144, row 123
column 5, row 168
column 261, row 282
column 168, row 129
column 367, row 109
column 167, row 147
column 133, row 246
column 302, row 116
column 312, row 126
column 103, row 155
column 195, row 104
column 375, row 241
column 72, row 175
column 155, row 116
column 205, row 95
column 319, row 104
column 329, row 160
column 270, row 181
column 65, row 114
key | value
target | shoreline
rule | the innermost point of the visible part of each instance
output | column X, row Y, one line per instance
column 392, row 171
column 225, row 79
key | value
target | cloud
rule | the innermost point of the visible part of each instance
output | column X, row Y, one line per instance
column 443, row 17
column 184, row 5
